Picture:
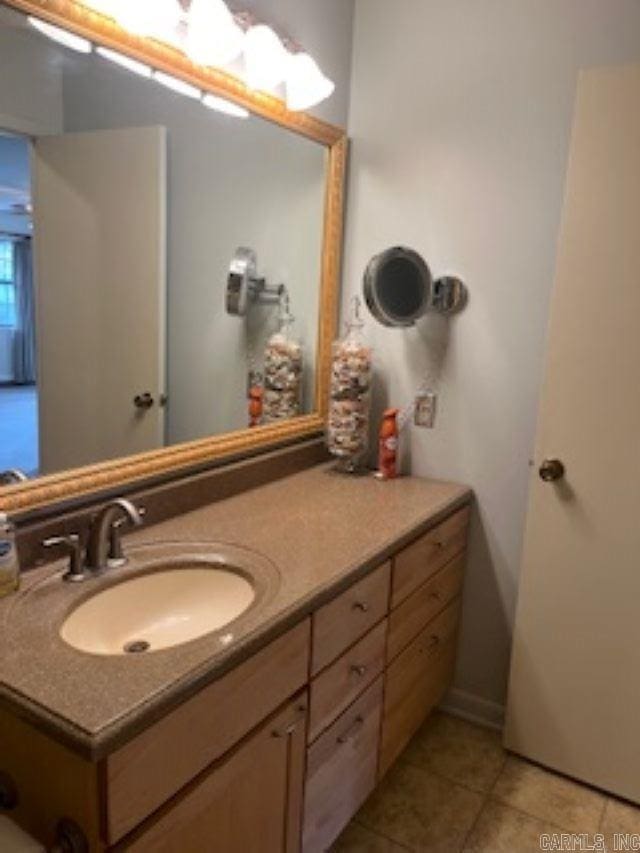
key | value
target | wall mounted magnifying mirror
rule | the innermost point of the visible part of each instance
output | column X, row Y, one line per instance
column 245, row 286
column 399, row 288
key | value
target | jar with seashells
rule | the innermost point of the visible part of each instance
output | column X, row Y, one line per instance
column 282, row 370
column 350, row 395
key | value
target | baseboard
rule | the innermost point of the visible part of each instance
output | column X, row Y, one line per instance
column 474, row 708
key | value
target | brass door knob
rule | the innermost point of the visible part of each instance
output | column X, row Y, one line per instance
column 143, row 401
column 551, row 470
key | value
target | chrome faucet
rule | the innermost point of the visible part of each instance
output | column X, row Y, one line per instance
column 103, row 543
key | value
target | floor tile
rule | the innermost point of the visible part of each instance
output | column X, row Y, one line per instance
column 501, row 829
column 549, row 797
column 359, row 839
column 421, row 811
column 619, row 817
column 459, row 751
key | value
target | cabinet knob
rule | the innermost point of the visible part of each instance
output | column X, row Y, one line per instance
column 290, row 728
column 362, row 606
column 359, row 670
column 351, row 731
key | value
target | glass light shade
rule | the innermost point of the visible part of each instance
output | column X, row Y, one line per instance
column 125, row 61
column 224, row 106
column 158, row 18
column 181, row 87
column 265, row 58
column 61, row 36
column 213, row 37
column 306, row 84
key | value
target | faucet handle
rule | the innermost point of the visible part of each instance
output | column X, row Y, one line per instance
column 71, row 545
column 115, row 555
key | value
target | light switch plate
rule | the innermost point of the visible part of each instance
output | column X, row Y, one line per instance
column 425, row 410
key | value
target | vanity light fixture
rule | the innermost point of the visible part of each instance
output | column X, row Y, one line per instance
column 213, row 37
column 61, row 36
column 156, row 18
column 125, row 61
column 224, row 106
column 177, row 85
column 265, row 58
column 306, row 84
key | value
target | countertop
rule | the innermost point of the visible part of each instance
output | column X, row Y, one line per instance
column 320, row 529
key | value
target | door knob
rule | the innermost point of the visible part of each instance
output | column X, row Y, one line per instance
column 143, row 401
column 551, row 470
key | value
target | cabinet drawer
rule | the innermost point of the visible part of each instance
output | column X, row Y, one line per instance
column 341, row 622
column 251, row 800
column 417, row 562
column 410, row 617
column 150, row 769
column 341, row 770
column 337, row 686
column 416, row 681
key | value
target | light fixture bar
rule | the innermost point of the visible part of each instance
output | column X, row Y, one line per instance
column 181, row 87
column 213, row 102
column 125, row 61
column 61, row 36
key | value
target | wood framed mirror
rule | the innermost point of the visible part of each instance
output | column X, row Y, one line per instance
column 292, row 179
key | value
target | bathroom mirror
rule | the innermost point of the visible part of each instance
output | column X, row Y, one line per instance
column 122, row 204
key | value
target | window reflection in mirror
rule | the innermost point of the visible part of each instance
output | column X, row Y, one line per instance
column 121, row 206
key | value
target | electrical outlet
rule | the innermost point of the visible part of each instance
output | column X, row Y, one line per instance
column 425, row 409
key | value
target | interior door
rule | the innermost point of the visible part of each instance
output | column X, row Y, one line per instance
column 100, row 247
column 574, row 698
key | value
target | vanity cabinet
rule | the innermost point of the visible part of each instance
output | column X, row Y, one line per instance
column 250, row 801
column 280, row 752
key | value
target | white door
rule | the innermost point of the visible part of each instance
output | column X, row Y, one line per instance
column 574, row 698
column 100, row 246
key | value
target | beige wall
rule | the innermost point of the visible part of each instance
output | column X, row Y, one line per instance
column 460, row 117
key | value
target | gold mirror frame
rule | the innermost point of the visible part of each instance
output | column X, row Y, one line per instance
column 81, row 482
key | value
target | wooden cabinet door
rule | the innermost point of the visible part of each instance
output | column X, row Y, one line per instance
column 250, row 801
column 416, row 681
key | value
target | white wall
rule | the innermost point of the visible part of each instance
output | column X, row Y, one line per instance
column 460, row 117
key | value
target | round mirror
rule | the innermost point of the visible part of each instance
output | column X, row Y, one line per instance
column 398, row 286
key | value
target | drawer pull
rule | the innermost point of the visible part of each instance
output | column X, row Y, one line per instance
column 351, row 731
column 362, row 606
column 436, row 595
column 289, row 729
column 358, row 669
column 438, row 544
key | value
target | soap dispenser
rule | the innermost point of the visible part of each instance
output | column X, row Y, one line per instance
column 9, row 564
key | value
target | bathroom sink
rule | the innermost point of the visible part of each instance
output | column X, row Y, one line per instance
column 166, row 604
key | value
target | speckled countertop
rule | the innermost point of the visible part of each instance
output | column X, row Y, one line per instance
column 321, row 530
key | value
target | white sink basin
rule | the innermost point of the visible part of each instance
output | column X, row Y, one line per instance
column 176, row 597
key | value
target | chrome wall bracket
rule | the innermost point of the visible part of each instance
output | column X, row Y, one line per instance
column 245, row 286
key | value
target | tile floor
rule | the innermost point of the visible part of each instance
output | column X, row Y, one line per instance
column 455, row 790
